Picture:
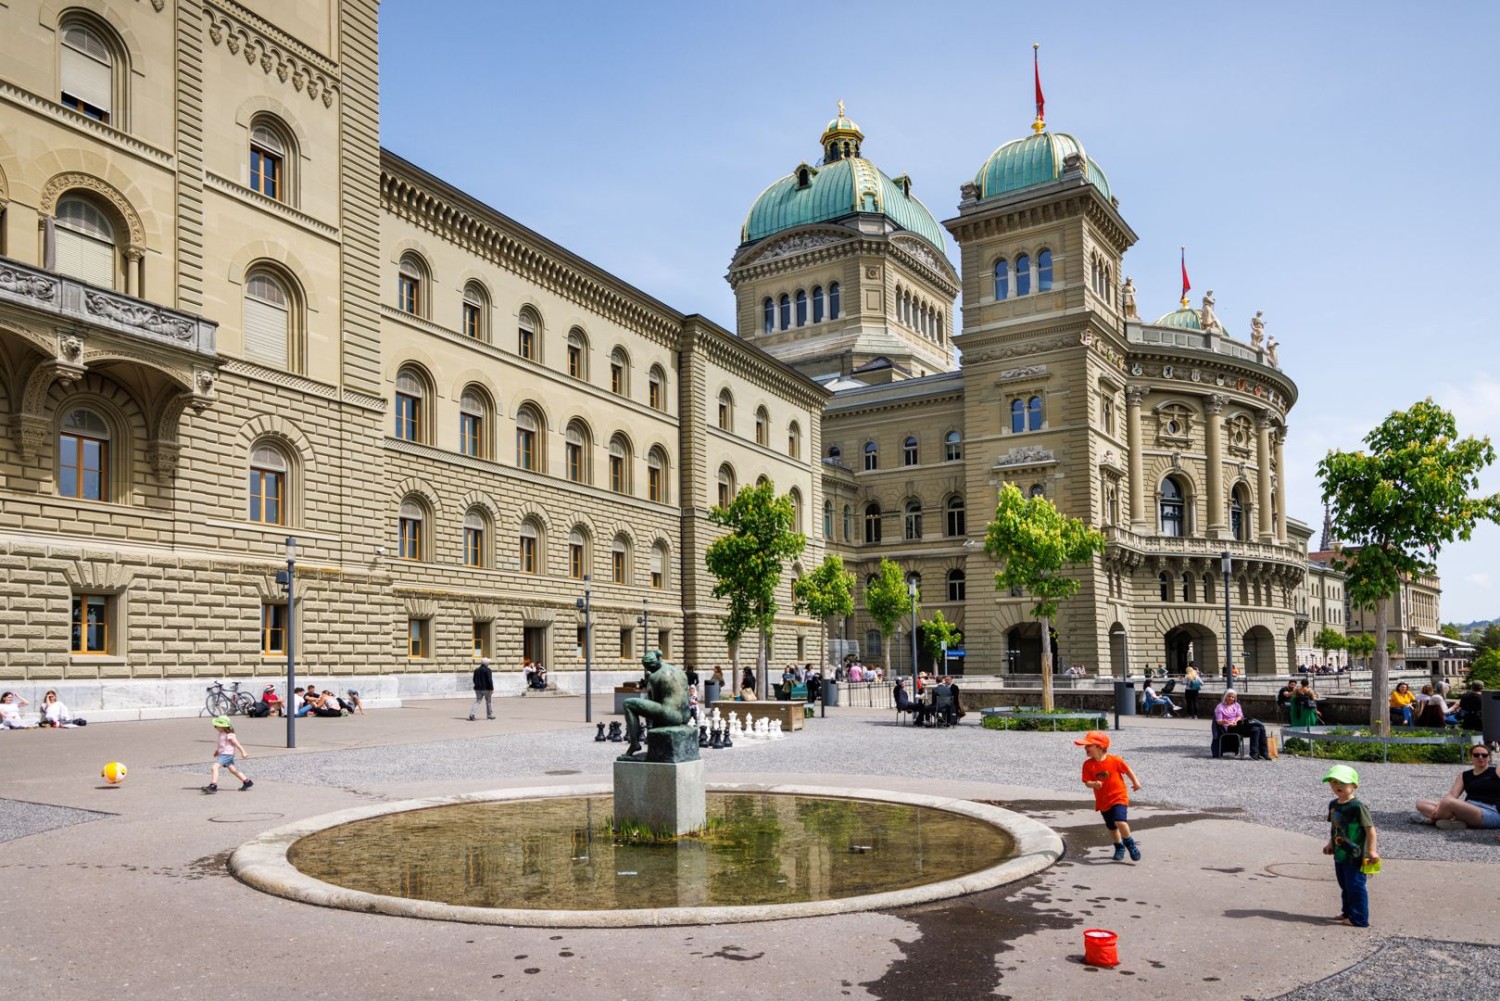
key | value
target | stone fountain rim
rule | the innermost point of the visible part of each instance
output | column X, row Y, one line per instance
column 262, row 864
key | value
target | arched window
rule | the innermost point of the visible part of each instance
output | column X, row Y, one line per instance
column 956, row 523
column 271, row 159
column 1037, row 490
column 1187, row 589
column 656, row 476
column 835, row 454
column 89, row 66
column 578, row 354
column 1017, row 416
column 794, row 440
column 957, row 582
column 1164, row 582
column 909, row 451
column 84, row 242
column 1044, row 271
column 619, row 560
column 528, row 334
column 412, row 394
column 577, row 554
column 476, row 531
column 1208, row 589
column 872, row 455
column 801, row 308
column 659, row 564
column 848, row 523
column 817, row 297
column 619, row 464
column 768, row 314
column 912, row 523
column 1034, row 414
column 476, row 312
column 762, row 426
column 619, row 372
column 529, row 544
column 1172, row 521
column 953, row 447
column 795, row 496
column 726, row 411
column 726, row 485
column 656, row 388
column 411, row 285
column 411, row 535
column 1239, row 527
column 528, row 451
column 474, row 423
column 828, row 519
column 785, row 305
column 268, row 319
column 576, row 452
column 1023, row 275
column 1002, row 279
column 872, row 523
column 268, row 484
column 833, row 300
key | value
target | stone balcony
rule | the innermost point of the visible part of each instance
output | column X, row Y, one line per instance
column 73, row 302
column 1188, row 547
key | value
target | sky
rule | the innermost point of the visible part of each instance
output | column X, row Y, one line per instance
column 1333, row 164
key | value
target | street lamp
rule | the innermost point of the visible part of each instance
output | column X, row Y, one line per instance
column 288, row 579
column 586, row 607
column 1228, row 636
column 644, row 621
column 911, row 592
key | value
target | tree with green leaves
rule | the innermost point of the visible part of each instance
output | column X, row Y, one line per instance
column 938, row 634
column 1360, row 645
column 1328, row 639
column 887, row 601
column 1450, row 631
column 826, row 593
column 1486, row 669
column 1035, row 543
column 1396, row 504
column 747, row 563
column 1489, row 639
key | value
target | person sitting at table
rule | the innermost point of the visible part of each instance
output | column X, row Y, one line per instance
column 1230, row 718
column 944, row 701
column 906, row 704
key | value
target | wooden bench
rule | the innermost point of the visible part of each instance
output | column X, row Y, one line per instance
column 790, row 714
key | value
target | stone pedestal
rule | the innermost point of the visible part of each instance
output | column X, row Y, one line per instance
column 666, row 798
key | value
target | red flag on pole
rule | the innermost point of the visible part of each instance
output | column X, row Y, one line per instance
column 1186, row 285
column 1041, row 102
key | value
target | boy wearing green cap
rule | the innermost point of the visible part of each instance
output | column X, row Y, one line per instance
column 1351, row 842
column 224, row 752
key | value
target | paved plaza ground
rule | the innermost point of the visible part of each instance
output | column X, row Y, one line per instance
column 122, row 892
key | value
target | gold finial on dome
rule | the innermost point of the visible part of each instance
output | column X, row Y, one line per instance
column 841, row 107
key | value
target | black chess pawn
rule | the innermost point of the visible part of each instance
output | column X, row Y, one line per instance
column 615, row 734
column 703, row 736
column 600, row 735
column 718, row 740
column 728, row 740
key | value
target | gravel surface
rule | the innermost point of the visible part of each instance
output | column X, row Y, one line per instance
column 1174, row 768
column 19, row 818
column 1406, row 969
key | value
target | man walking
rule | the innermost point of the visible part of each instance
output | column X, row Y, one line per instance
column 484, row 689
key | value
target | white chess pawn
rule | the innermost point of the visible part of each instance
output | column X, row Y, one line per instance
column 776, row 734
column 761, row 727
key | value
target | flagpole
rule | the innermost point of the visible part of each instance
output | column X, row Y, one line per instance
column 1040, row 125
column 1186, row 285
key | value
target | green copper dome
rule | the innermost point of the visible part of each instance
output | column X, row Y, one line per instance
column 1186, row 318
column 1032, row 161
column 834, row 191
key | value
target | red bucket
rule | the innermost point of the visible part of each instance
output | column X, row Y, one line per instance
column 1099, row 947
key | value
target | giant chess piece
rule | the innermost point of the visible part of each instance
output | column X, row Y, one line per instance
column 600, row 735
column 717, row 743
column 702, row 736
column 616, row 733
column 729, row 736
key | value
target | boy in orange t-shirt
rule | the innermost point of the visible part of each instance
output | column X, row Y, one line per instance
column 1106, row 774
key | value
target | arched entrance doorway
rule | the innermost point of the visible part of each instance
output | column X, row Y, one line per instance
column 1190, row 643
column 1119, row 651
column 1259, row 648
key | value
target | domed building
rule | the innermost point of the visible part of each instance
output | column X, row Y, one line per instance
column 841, row 271
column 1167, row 436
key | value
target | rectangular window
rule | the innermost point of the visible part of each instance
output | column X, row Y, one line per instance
column 409, row 294
column 617, row 474
column 627, row 643
column 265, row 496
column 468, row 434
column 91, row 623
column 527, row 559
column 526, row 449
column 82, row 467
column 802, row 648
column 583, row 639
column 526, row 345
column 419, row 638
column 575, row 560
column 481, row 638
column 407, row 410
column 471, row 320
column 473, row 547
column 575, row 361
column 654, row 394
column 272, row 628
column 573, row 460
column 617, row 566
column 654, row 483
column 411, row 539
column 616, row 378
column 664, row 642
column 265, row 172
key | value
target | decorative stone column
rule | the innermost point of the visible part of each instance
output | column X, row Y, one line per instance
column 1217, row 502
column 1281, row 483
column 1133, row 397
column 1263, row 475
column 135, row 271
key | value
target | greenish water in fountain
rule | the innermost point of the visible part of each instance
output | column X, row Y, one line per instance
column 559, row 854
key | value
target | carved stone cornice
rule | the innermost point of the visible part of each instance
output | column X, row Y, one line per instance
column 1026, row 455
column 243, row 31
column 1017, row 349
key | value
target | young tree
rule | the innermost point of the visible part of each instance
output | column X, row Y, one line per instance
column 827, row 593
column 1360, row 645
column 1034, row 543
column 938, row 634
column 887, row 601
column 1450, row 631
column 1396, row 505
column 748, row 562
column 1328, row 639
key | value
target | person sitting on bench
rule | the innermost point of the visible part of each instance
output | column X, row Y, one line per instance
column 1230, row 718
column 1150, row 700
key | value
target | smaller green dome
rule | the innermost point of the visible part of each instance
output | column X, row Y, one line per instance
column 1033, row 161
column 842, row 124
column 1186, row 318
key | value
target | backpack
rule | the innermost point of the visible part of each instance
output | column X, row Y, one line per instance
column 258, row 710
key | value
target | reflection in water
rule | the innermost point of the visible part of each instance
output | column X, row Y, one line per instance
column 553, row 854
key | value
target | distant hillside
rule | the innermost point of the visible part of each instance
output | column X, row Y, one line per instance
column 1476, row 627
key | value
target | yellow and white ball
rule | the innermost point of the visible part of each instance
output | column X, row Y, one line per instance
column 113, row 773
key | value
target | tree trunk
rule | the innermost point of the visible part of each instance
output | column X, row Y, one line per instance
column 1380, row 719
column 762, row 674
column 1046, row 664
column 890, row 671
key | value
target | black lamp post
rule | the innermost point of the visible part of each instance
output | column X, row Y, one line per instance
column 288, row 579
column 644, row 620
column 585, row 606
column 1228, row 635
column 911, row 592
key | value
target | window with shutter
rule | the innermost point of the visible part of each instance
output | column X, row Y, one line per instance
column 87, row 74
column 267, row 319
column 85, row 243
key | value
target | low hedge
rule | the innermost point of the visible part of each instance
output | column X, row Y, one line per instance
column 1327, row 745
column 1037, row 720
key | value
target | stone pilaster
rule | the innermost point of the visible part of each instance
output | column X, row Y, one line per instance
column 1263, row 475
column 1217, row 502
column 1133, row 397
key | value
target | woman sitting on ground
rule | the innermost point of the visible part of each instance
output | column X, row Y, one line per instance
column 54, row 713
column 1479, row 788
column 11, row 716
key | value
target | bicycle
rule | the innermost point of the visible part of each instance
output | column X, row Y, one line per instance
column 227, row 703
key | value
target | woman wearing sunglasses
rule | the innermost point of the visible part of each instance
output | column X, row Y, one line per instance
column 1474, row 800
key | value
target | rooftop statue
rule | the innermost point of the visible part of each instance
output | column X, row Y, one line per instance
column 1206, row 317
column 1257, row 329
column 1127, row 296
column 1271, row 352
column 666, row 701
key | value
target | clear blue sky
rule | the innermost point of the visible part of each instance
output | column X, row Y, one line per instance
column 1333, row 164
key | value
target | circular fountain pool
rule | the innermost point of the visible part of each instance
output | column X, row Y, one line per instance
column 548, row 857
